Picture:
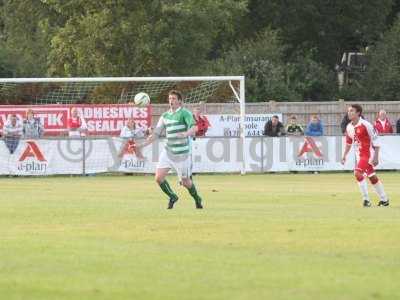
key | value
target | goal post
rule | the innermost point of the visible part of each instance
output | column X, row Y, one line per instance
column 105, row 90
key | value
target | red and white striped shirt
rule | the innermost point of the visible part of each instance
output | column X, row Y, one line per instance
column 364, row 137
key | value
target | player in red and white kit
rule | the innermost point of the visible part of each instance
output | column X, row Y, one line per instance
column 362, row 134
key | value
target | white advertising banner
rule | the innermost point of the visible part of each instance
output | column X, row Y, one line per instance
column 312, row 154
column 211, row 155
column 228, row 125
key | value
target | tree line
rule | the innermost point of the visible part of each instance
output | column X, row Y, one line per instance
column 287, row 49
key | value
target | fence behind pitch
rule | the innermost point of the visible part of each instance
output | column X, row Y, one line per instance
column 330, row 112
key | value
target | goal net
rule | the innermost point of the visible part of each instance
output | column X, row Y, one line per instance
column 117, row 90
column 18, row 94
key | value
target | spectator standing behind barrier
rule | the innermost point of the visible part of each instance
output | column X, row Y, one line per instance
column 76, row 124
column 382, row 124
column 202, row 122
column 12, row 131
column 32, row 127
column 345, row 121
column 274, row 127
column 129, row 133
column 398, row 126
column 293, row 128
column 315, row 127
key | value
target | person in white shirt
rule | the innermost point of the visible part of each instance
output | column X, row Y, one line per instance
column 12, row 132
column 129, row 133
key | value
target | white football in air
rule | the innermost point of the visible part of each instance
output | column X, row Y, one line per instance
column 142, row 99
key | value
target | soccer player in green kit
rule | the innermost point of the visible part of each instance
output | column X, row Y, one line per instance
column 179, row 126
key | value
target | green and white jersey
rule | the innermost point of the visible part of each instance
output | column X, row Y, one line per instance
column 174, row 123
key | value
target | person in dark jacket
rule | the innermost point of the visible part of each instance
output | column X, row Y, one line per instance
column 398, row 126
column 345, row 121
column 274, row 127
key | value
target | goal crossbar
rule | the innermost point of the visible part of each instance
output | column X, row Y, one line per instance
column 120, row 79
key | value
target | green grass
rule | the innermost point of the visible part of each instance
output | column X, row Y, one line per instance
column 260, row 237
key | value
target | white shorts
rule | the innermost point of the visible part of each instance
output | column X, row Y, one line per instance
column 181, row 164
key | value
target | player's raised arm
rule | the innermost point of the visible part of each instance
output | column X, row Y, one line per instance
column 155, row 134
column 189, row 133
column 150, row 139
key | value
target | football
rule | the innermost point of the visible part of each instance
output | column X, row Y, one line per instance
column 142, row 99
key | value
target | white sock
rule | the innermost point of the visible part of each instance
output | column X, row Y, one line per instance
column 364, row 189
column 380, row 191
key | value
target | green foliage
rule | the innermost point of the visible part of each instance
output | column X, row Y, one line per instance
column 269, row 77
column 330, row 27
column 311, row 79
column 352, row 93
column 382, row 78
column 260, row 60
column 6, row 68
column 156, row 38
column 287, row 49
column 104, row 38
column 24, row 37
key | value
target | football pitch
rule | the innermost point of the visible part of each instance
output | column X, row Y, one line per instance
column 289, row 236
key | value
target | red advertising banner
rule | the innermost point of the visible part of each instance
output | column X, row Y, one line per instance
column 104, row 119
